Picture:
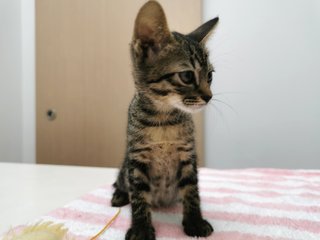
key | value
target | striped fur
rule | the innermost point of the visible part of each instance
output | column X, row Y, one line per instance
column 172, row 79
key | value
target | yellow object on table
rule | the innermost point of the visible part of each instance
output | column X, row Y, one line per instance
column 50, row 231
column 40, row 231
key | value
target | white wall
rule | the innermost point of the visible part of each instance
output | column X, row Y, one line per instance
column 17, row 82
column 10, row 81
column 267, row 59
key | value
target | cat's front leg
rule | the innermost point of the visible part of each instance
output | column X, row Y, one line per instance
column 193, row 223
column 141, row 225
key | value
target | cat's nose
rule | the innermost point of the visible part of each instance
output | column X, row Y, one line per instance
column 206, row 98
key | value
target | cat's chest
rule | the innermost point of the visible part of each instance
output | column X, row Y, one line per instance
column 165, row 155
column 163, row 173
column 160, row 135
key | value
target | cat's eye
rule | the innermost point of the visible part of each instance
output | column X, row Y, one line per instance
column 187, row 77
column 210, row 77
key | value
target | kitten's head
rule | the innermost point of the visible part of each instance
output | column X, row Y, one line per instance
column 171, row 69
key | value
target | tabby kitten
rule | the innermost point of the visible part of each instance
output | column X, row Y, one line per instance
column 172, row 77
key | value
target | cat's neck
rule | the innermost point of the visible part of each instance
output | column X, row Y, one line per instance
column 156, row 107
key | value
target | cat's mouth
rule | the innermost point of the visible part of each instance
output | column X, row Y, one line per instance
column 190, row 107
column 194, row 103
column 195, row 106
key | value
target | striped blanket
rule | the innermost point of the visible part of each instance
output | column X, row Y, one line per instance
column 250, row 204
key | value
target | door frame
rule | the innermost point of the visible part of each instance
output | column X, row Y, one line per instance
column 28, row 81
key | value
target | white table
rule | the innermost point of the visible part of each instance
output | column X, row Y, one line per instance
column 28, row 191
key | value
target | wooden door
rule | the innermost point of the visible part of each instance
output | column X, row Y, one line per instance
column 84, row 75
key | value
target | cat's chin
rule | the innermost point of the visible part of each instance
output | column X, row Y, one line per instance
column 190, row 108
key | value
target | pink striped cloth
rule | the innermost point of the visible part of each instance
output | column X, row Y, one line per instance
column 249, row 204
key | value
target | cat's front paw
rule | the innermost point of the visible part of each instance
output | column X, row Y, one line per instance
column 119, row 198
column 141, row 233
column 198, row 228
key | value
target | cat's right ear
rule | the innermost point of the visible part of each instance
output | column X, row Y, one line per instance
column 151, row 29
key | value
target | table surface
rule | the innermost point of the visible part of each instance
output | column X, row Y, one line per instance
column 28, row 191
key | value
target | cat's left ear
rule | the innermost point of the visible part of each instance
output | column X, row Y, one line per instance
column 202, row 33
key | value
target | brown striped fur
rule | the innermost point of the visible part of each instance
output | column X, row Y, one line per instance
column 172, row 79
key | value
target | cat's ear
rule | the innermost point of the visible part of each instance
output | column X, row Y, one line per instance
column 202, row 33
column 151, row 28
